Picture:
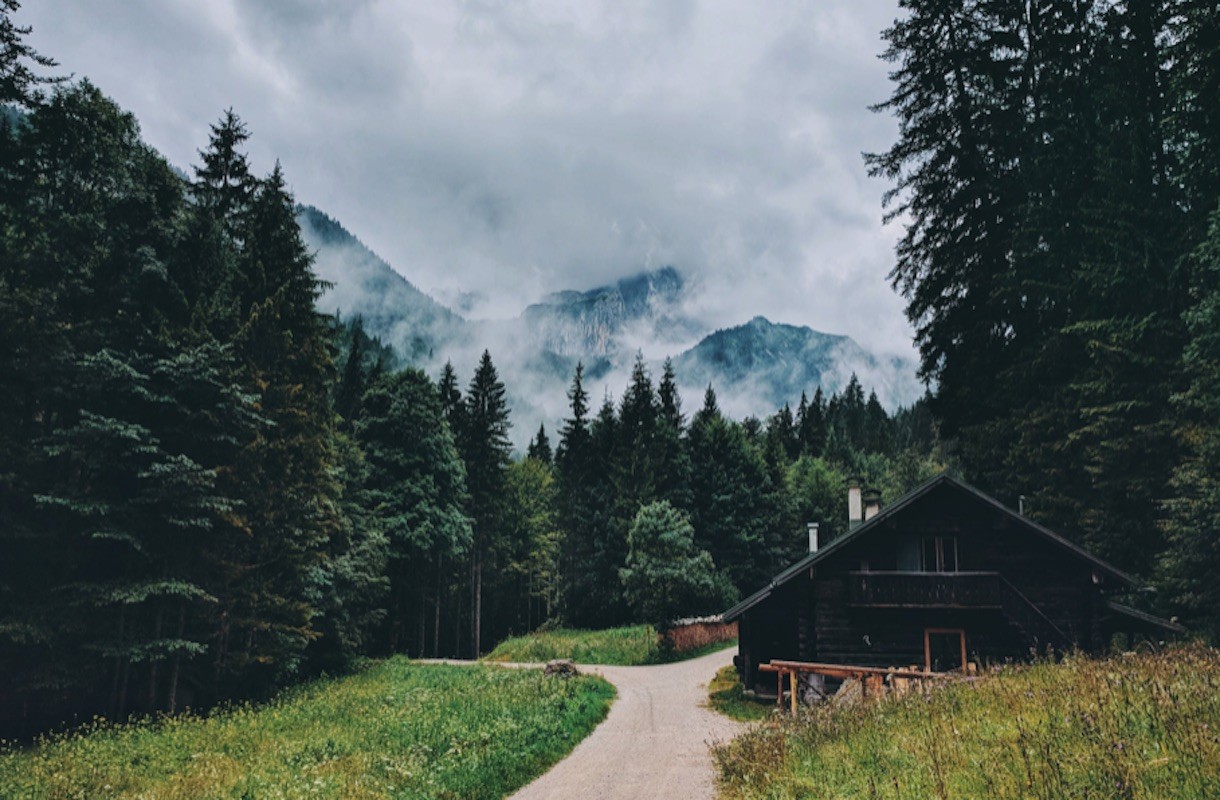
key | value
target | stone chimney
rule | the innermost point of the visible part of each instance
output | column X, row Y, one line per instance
column 855, row 510
column 872, row 503
column 813, row 537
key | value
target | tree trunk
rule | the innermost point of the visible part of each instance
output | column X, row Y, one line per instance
column 222, row 646
column 423, row 620
column 155, row 666
column 478, row 605
column 436, row 628
column 173, row 681
column 118, row 665
column 457, row 623
column 123, row 688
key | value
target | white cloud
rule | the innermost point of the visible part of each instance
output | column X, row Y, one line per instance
column 517, row 148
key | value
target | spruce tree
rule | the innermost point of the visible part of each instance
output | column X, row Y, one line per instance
column 19, row 78
column 534, row 563
column 575, row 476
column 953, row 171
column 811, row 427
column 782, row 432
column 287, row 473
column 416, row 491
column 1190, row 563
column 730, row 494
column 540, row 447
column 486, row 450
column 134, row 417
column 604, row 604
column 634, row 456
column 671, row 461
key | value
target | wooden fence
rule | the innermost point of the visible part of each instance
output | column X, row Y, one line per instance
column 873, row 681
column 691, row 634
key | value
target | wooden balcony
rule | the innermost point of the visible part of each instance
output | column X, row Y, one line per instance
column 926, row 589
column 967, row 590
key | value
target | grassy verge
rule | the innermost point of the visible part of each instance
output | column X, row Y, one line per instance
column 1143, row 727
column 726, row 695
column 628, row 646
column 394, row 730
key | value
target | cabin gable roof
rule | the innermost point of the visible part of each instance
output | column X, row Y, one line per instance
column 895, row 509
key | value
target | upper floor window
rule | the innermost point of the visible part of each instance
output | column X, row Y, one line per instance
column 940, row 554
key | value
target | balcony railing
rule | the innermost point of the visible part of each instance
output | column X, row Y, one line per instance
column 973, row 590
column 925, row 589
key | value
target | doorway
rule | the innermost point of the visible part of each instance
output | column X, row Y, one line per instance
column 944, row 649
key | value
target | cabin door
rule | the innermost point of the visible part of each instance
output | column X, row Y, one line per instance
column 944, row 649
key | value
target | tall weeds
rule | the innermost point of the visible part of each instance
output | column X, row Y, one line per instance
column 1143, row 726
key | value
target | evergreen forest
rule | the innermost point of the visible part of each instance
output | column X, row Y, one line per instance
column 209, row 490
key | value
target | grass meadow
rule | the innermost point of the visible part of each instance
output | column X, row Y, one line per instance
column 394, row 730
column 726, row 695
column 1139, row 727
column 630, row 646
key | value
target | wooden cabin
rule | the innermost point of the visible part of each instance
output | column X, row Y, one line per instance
column 943, row 576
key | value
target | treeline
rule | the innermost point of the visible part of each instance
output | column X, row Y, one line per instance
column 179, row 510
column 485, row 545
column 747, row 488
column 1058, row 169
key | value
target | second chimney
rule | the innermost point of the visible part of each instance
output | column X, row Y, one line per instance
column 813, row 537
column 855, row 511
column 872, row 503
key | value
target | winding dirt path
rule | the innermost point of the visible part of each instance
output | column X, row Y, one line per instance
column 653, row 743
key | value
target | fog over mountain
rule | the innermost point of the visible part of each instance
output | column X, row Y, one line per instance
column 755, row 367
column 495, row 153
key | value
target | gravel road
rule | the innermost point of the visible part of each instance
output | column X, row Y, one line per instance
column 654, row 742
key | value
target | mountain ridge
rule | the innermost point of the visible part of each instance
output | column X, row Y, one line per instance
column 756, row 367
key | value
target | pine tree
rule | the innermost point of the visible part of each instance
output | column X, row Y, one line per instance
column 540, row 447
column 730, row 493
column 1190, row 564
column 19, row 81
column 671, row 462
column 416, row 491
column 877, row 435
column 355, row 377
column 782, row 432
column 574, row 472
column 957, row 95
column 485, row 449
column 1194, row 119
column 634, row 456
column 287, row 474
column 356, row 567
column 811, row 427
column 452, row 405
column 535, row 551
column 134, row 418
column 224, row 186
column 603, row 603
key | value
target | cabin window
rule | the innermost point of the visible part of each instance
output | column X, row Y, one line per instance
column 908, row 555
column 940, row 554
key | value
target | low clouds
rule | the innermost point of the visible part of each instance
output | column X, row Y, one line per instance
column 515, row 148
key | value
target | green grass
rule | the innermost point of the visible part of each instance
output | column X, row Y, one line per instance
column 633, row 645
column 393, row 730
column 726, row 695
column 1144, row 727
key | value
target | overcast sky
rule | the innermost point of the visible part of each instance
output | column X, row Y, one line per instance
column 515, row 148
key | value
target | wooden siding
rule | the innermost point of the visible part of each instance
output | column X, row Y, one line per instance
column 813, row 617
